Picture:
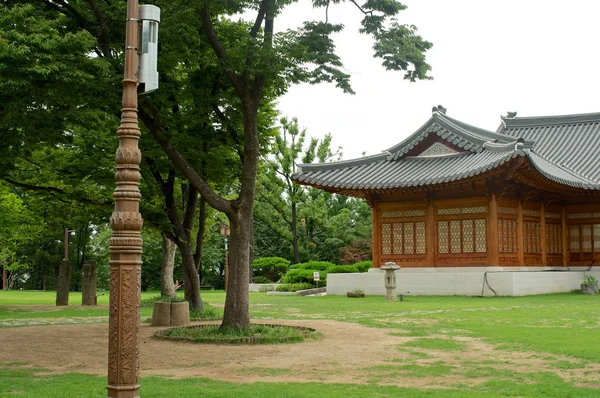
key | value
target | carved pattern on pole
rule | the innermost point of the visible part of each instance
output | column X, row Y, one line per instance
column 126, row 242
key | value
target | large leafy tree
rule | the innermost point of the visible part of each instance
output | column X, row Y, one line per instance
column 260, row 61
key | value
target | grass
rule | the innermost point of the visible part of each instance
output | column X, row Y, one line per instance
column 558, row 331
column 262, row 334
column 34, row 383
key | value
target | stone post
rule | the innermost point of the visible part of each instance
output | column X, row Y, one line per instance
column 62, row 283
column 390, row 279
column 126, row 242
column 88, row 283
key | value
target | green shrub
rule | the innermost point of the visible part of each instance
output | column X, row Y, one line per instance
column 294, row 287
column 295, row 266
column 341, row 269
column 270, row 267
column 363, row 266
column 316, row 265
column 261, row 279
column 303, row 276
column 590, row 280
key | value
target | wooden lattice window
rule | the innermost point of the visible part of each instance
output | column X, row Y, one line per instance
column 443, row 244
column 507, row 236
column 386, row 239
column 531, row 237
column 553, row 238
column 403, row 238
column 462, row 236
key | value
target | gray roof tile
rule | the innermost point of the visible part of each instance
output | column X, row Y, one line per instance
column 564, row 149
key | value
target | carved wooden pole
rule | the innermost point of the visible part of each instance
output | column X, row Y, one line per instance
column 126, row 241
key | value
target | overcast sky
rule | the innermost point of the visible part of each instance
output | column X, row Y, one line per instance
column 489, row 57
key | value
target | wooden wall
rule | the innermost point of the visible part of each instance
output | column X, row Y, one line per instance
column 485, row 231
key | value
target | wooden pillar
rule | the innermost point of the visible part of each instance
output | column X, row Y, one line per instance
column 565, row 237
column 126, row 241
column 375, row 236
column 520, row 237
column 543, row 234
column 492, row 232
column 430, row 241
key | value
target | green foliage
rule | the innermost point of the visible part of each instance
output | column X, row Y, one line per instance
column 261, row 279
column 590, row 280
column 208, row 312
column 364, row 266
column 262, row 334
column 293, row 287
column 316, row 265
column 303, row 276
column 341, row 269
column 270, row 267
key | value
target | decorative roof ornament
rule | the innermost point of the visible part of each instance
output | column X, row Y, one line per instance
column 438, row 109
column 437, row 149
column 511, row 115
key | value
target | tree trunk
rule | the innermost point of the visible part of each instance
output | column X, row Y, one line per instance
column 237, row 313
column 190, row 278
column 167, row 289
column 295, row 234
column 251, row 249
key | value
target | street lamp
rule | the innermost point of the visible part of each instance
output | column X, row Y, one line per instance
column 225, row 233
column 67, row 233
column 64, row 274
column 126, row 220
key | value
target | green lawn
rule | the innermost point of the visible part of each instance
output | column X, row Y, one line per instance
column 559, row 329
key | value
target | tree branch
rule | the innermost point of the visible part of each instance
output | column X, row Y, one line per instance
column 184, row 167
column 213, row 39
column 103, row 36
column 259, row 18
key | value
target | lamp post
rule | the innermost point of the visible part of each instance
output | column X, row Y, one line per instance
column 67, row 233
column 126, row 221
column 64, row 274
column 225, row 233
column 126, row 241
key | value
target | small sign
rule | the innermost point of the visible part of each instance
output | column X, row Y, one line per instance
column 316, row 276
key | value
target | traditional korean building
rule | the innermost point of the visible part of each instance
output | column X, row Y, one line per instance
column 455, row 195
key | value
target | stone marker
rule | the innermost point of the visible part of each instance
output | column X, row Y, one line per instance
column 88, row 284
column 62, row 283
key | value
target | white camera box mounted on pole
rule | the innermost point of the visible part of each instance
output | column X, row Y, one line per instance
column 149, row 17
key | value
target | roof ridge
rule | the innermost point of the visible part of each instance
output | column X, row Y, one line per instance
column 550, row 120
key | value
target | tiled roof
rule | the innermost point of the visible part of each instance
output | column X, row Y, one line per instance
column 570, row 142
column 563, row 149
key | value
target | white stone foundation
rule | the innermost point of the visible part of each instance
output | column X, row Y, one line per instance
column 465, row 281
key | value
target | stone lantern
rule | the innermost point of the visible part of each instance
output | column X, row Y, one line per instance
column 390, row 279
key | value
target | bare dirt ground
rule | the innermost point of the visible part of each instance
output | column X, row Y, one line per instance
column 347, row 353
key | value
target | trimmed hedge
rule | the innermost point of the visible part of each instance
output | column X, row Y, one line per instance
column 342, row 269
column 363, row 266
column 261, row 279
column 293, row 287
column 303, row 276
column 271, row 267
column 316, row 265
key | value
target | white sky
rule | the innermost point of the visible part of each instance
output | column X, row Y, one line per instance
column 536, row 57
